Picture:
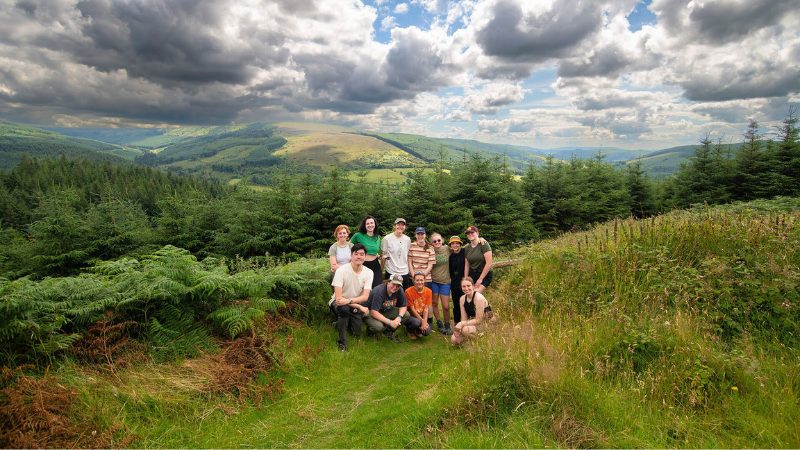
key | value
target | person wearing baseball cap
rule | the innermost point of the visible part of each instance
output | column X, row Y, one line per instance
column 388, row 309
column 394, row 248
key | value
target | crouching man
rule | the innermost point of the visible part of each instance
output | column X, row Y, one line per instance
column 388, row 310
column 351, row 291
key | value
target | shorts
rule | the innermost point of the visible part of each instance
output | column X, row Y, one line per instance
column 440, row 288
column 486, row 281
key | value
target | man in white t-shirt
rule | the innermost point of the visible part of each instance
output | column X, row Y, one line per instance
column 351, row 285
column 394, row 247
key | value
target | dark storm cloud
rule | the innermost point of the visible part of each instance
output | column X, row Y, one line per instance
column 166, row 41
column 411, row 66
column 742, row 83
column 722, row 21
column 511, row 36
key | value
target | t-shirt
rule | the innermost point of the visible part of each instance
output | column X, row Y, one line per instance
column 371, row 243
column 421, row 257
column 441, row 272
column 417, row 301
column 381, row 301
column 352, row 283
column 342, row 254
column 475, row 256
column 396, row 248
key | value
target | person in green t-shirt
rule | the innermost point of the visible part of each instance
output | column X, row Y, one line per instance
column 367, row 236
column 478, row 259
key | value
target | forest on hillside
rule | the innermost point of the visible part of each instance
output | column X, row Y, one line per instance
column 59, row 216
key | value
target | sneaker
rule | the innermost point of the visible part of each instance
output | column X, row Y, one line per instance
column 342, row 347
column 392, row 335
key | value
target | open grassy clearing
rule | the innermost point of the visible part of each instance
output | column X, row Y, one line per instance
column 323, row 146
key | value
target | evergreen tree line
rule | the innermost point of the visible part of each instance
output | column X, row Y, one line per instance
column 59, row 216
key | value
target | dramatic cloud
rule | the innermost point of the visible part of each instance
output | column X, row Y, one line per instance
column 536, row 72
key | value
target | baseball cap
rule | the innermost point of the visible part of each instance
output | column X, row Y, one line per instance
column 454, row 239
column 421, row 230
column 472, row 228
column 396, row 279
column 398, row 220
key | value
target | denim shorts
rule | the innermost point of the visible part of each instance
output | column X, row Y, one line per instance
column 440, row 288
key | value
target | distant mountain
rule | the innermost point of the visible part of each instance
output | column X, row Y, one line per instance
column 246, row 150
column 610, row 154
column 18, row 140
column 428, row 149
column 665, row 162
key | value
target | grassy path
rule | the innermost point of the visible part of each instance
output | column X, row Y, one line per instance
column 379, row 394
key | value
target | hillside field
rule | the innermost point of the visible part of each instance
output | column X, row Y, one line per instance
column 676, row 331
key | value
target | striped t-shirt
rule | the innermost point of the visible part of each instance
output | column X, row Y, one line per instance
column 420, row 258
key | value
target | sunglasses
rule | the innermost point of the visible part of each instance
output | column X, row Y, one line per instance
column 436, row 240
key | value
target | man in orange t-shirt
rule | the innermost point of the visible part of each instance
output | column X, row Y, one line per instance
column 419, row 299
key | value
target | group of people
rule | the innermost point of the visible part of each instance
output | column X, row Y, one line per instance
column 391, row 281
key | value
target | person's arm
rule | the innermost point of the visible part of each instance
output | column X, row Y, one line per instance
column 431, row 262
column 480, row 305
column 340, row 300
column 466, row 265
column 463, row 314
column 486, row 267
column 359, row 302
column 375, row 314
column 334, row 263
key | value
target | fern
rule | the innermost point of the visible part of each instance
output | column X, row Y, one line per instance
column 237, row 319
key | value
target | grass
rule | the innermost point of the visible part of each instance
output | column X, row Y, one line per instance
column 322, row 146
column 678, row 331
column 379, row 394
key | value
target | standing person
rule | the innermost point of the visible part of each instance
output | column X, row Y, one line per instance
column 388, row 309
column 419, row 303
column 478, row 259
column 475, row 311
column 456, row 270
column 352, row 284
column 421, row 257
column 394, row 249
column 440, row 283
column 368, row 236
column 339, row 252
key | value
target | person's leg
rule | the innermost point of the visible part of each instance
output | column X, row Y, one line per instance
column 408, row 281
column 374, row 325
column 342, row 320
column 444, row 299
column 375, row 267
column 355, row 323
column 412, row 324
column 433, row 311
column 455, row 294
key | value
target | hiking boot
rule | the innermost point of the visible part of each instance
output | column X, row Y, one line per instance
column 342, row 347
column 447, row 330
column 392, row 336
column 440, row 327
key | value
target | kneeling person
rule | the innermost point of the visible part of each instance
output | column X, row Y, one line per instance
column 419, row 300
column 387, row 308
column 352, row 284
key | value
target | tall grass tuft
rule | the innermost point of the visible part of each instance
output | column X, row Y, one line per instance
column 675, row 331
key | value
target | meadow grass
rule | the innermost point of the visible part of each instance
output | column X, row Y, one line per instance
column 678, row 331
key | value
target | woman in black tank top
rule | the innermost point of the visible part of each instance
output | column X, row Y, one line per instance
column 475, row 310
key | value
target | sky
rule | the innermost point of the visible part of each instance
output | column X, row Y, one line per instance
column 542, row 73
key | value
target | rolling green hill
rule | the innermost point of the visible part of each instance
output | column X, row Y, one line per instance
column 667, row 161
column 18, row 140
column 427, row 149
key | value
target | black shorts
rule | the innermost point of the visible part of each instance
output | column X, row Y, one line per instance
column 477, row 274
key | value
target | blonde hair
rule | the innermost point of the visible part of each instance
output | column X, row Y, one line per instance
column 433, row 236
column 336, row 231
